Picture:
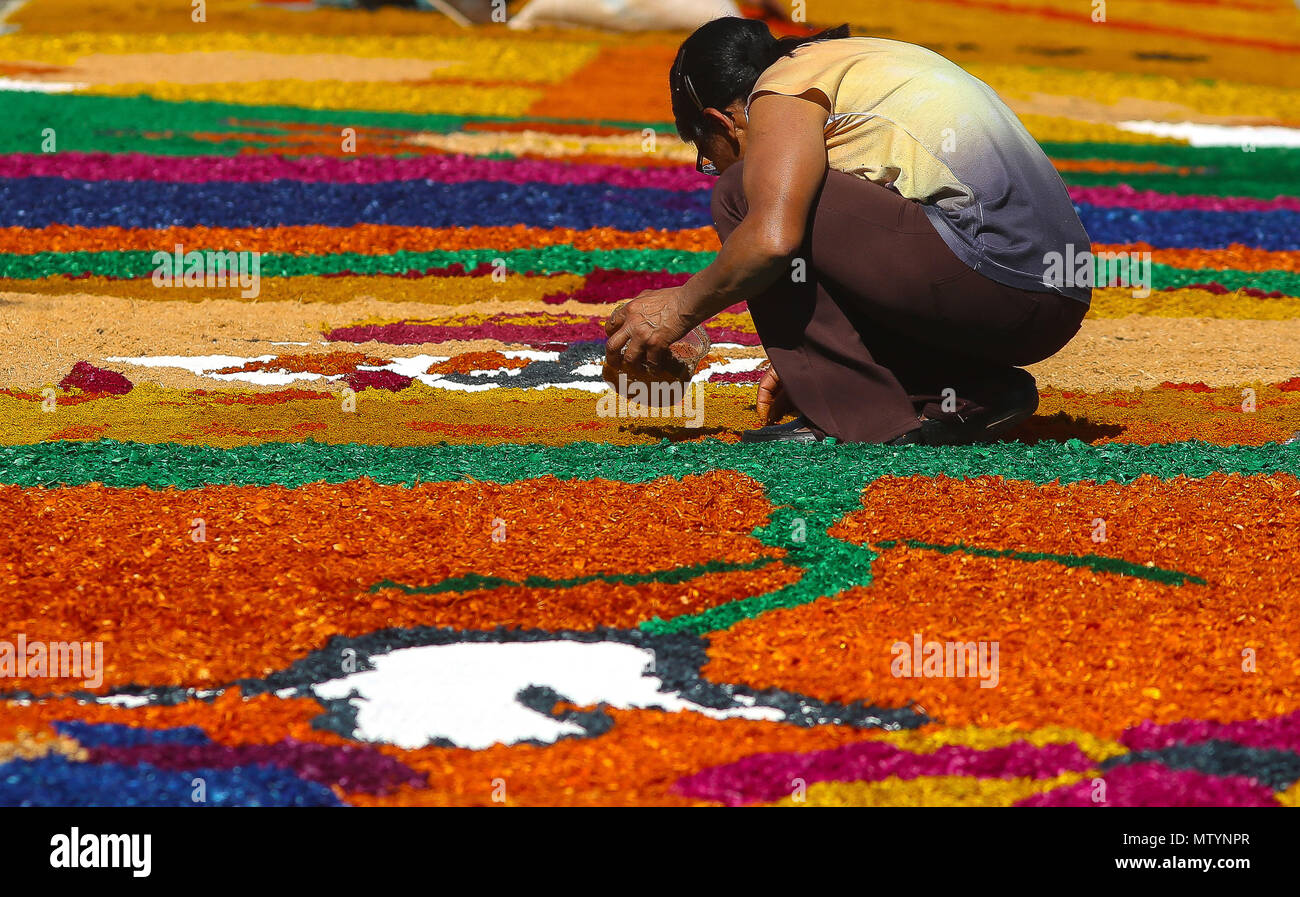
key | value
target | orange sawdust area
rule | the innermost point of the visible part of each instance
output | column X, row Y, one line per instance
column 280, row 571
column 456, row 291
column 1037, row 33
column 1236, row 257
column 420, row 415
column 324, row 363
column 476, row 361
column 1078, row 647
column 366, row 239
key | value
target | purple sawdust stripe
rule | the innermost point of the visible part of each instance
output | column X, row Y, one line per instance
column 88, row 378
column 609, row 285
column 325, row 169
column 390, row 380
column 1279, row 733
column 1150, row 200
column 404, row 333
column 360, row 769
column 1152, row 785
column 768, row 777
column 737, row 377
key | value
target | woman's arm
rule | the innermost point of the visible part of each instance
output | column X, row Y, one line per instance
column 785, row 164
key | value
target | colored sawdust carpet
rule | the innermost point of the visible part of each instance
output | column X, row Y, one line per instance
column 312, row 493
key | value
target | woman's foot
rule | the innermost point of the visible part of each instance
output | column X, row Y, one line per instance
column 800, row 430
column 987, row 408
column 797, row 430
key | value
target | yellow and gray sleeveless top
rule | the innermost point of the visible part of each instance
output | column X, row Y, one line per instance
column 906, row 117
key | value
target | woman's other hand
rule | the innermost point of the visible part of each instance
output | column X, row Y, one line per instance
column 640, row 332
column 771, row 402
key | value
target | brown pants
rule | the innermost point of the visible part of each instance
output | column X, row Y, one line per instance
column 886, row 310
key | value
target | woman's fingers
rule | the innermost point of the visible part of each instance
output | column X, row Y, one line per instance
column 657, row 357
column 769, row 388
column 633, row 354
column 614, row 346
column 615, row 321
column 637, row 334
column 772, row 401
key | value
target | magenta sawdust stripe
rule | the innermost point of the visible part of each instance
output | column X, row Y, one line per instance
column 1153, row 785
column 403, row 333
column 88, row 378
column 769, row 777
column 327, row 169
column 1219, row 289
column 359, row 769
column 737, row 377
column 1279, row 733
column 390, row 380
column 604, row 285
column 1150, row 200
column 607, row 286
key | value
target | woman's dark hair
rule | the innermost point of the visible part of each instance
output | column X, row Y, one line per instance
column 720, row 63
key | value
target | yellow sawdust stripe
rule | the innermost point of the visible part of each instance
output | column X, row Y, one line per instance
column 928, row 791
column 1120, row 303
column 482, row 59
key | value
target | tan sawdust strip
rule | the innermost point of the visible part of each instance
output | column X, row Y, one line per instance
column 1142, row 352
column 1127, row 109
column 42, row 336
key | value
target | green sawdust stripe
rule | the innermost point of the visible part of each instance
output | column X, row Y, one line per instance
column 106, row 124
column 559, row 258
column 1216, row 170
column 472, row 582
column 1096, row 562
column 1209, row 184
column 563, row 258
column 804, row 475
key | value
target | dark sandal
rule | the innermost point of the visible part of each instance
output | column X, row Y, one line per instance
column 1010, row 403
column 797, row 430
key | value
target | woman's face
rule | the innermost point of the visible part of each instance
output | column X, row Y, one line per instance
column 724, row 143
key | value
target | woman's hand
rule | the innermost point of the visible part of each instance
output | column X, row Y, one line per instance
column 772, row 403
column 640, row 331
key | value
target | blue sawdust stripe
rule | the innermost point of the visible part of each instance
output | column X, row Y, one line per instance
column 1277, row 229
column 41, row 201
column 55, row 781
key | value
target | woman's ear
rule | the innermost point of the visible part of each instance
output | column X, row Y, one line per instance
column 724, row 122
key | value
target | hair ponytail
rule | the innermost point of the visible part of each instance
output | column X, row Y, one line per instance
column 787, row 45
column 720, row 63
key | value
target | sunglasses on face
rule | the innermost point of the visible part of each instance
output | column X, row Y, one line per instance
column 702, row 165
